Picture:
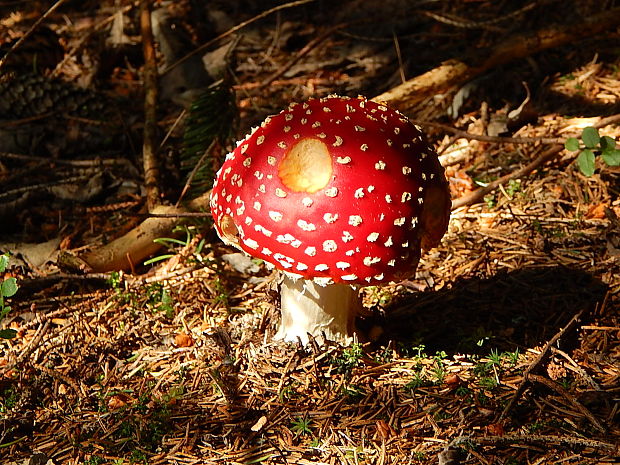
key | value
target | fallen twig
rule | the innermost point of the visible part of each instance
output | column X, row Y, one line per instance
column 546, row 156
column 557, row 388
column 479, row 194
column 467, row 24
column 497, row 139
column 568, row 441
column 33, row 345
column 234, row 29
column 536, row 363
column 149, row 158
column 191, row 176
column 29, row 32
column 303, row 52
column 607, row 121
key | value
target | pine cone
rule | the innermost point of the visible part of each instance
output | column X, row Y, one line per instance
column 28, row 95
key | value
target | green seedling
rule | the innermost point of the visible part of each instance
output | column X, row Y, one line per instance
column 350, row 358
column 513, row 357
column 495, row 358
column 591, row 145
column 489, row 383
column 8, row 288
column 301, row 425
column 159, row 299
column 418, row 381
column 174, row 246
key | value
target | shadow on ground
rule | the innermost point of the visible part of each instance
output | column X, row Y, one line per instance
column 518, row 309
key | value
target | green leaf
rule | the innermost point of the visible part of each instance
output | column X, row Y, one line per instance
column 159, row 258
column 7, row 333
column 571, row 144
column 611, row 157
column 585, row 161
column 4, row 262
column 590, row 137
column 4, row 311
column 8, row 287
column 608, row 143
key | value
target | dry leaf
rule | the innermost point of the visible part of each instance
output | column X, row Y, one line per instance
column 385, row 430
column 596, row 211
column 183, row 340
column 259, row 424
column 495, row 429
column 116, row 402
column 453, row 381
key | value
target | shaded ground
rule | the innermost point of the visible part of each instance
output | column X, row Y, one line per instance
column 175, row 363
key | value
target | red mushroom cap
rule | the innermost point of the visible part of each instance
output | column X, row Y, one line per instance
column 335, row 190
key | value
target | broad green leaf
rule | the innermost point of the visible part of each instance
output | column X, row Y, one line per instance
column 7, row 333
column 611, row 157
column 8, row 287
column 608, row 143
column 571, row 144
column 585, row 161
column 4, row 262
column 590, row 137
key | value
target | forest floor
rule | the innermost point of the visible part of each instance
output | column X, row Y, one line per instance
column 502, row 350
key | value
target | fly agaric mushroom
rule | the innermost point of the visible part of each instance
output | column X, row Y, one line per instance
column 336, row 193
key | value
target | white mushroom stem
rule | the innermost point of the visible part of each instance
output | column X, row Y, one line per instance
column 309, row 308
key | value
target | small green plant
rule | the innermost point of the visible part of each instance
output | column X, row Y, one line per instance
column 490, row 200
column 462, row 391
column 378, row 296
column 190, row 244
column 513, row 357
column 513, row 187
column 536, row 426
column 315, row 443
column 123, row 296
column 286, row 393
column 495, row 358
column 349, row 358
column 353, row 392
column 138, row 456
column 385, row 355
column 94, row 460
column 439, row 369
column 8, row 288
column 418, row 351
column 302, row 425
column 418, row 456
column 8, row 399
column 566, row 383
column 439, row 373
column 482, row 369
column 488, row 382
column 418, row 381
column 159, row 299
column 222, row 296
column 593, row 144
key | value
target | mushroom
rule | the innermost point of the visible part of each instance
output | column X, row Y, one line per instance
column 337, row 193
